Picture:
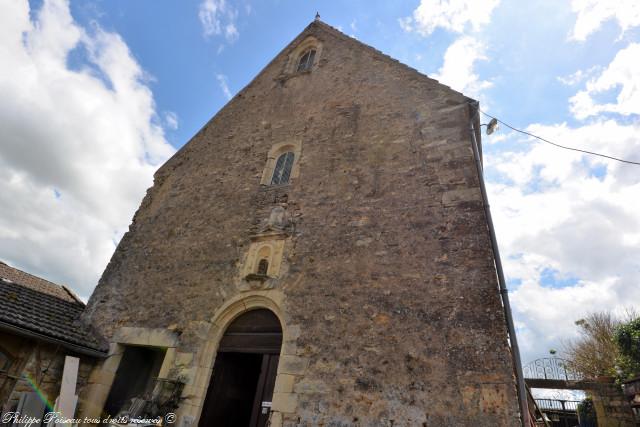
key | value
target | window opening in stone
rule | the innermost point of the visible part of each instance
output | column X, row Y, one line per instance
column 135, row 379
column 306, row 60
column 282, row 171
column 5, row 361
column 263, row 267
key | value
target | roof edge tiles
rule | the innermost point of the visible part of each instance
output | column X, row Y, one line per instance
column 29, row 280
column 45, row 311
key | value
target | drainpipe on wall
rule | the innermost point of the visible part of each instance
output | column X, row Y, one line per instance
column 504, row 293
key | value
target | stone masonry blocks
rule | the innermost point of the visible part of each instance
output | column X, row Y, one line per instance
column 387, row 291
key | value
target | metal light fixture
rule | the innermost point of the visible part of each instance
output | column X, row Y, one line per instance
column 492, row 126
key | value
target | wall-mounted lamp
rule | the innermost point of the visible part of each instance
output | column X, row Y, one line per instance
column 492, row 126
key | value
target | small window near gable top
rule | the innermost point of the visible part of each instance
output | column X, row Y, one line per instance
column 282, row 171
column 306, row 60
column 263, row 267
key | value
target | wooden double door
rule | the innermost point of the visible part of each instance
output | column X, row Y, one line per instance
column 244, row 373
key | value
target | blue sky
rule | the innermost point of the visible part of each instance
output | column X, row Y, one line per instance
column 95, row 95
column 167, row 39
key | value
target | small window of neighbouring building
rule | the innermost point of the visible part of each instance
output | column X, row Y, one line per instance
column 282, row 170
column 306, row 60
column 5, row 361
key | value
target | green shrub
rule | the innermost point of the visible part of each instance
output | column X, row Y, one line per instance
column 627, row 338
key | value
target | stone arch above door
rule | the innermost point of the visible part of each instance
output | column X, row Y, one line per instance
column 240, row 391
column 290, row 369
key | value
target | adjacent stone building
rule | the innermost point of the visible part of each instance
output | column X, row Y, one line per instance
column 317, row 255
column 39, row 328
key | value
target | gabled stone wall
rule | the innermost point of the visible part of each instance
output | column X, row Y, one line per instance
column 387, row 290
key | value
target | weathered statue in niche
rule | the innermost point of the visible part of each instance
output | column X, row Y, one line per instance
column 278, row 220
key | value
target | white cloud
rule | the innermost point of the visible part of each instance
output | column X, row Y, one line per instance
column 79, row 147
column 171, row 120
column 575, row 214
column 460, row 16
column 406, row 24
column 218, row 18
column 452, row 15
column 231, row 32
column 224, row 85
column 577, row 77
column 593, row 13
column 624, row 73
column 457, row 70
column 209, row 13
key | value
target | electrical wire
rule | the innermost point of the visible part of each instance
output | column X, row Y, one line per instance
column 558, row 145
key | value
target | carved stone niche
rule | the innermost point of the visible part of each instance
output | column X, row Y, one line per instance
column 262, row 265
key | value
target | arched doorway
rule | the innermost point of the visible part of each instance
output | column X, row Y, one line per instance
column 244, row 373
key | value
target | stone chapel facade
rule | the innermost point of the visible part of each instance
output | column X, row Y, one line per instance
column 317, row 255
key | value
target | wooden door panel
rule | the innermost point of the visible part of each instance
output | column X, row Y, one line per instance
column 229, row 400
column 244, row 372
column 269, row 385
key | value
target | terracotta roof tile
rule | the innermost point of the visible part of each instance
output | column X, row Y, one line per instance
column 34, row 282
column 37, row 306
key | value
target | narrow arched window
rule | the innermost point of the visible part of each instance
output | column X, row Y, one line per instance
column 282, row 171
column 263, row 267
column 306, row 60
